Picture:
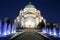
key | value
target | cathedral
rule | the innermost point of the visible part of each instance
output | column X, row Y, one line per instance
column 29, row 17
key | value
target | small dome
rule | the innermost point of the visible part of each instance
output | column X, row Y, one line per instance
column 30, row 6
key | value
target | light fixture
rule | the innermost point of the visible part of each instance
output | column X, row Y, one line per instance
column 17, row 17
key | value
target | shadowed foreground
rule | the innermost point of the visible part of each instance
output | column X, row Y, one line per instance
column 29, row 34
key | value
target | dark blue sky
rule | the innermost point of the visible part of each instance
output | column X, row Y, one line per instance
column 50, row 9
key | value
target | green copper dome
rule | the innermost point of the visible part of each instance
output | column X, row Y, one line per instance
column 30, row 6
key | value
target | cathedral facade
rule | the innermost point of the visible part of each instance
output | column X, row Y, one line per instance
column 29, row 17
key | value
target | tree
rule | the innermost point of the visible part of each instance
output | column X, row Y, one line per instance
column 50, row 25
column 7, row 19
column 41, row 24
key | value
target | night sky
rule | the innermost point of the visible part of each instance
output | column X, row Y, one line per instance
column 50, row 9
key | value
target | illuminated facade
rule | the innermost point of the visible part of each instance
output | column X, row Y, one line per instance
column 29, row 17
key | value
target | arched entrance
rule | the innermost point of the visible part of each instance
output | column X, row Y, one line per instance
column 30, row 22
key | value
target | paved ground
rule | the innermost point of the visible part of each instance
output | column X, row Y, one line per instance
column 29, row 35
